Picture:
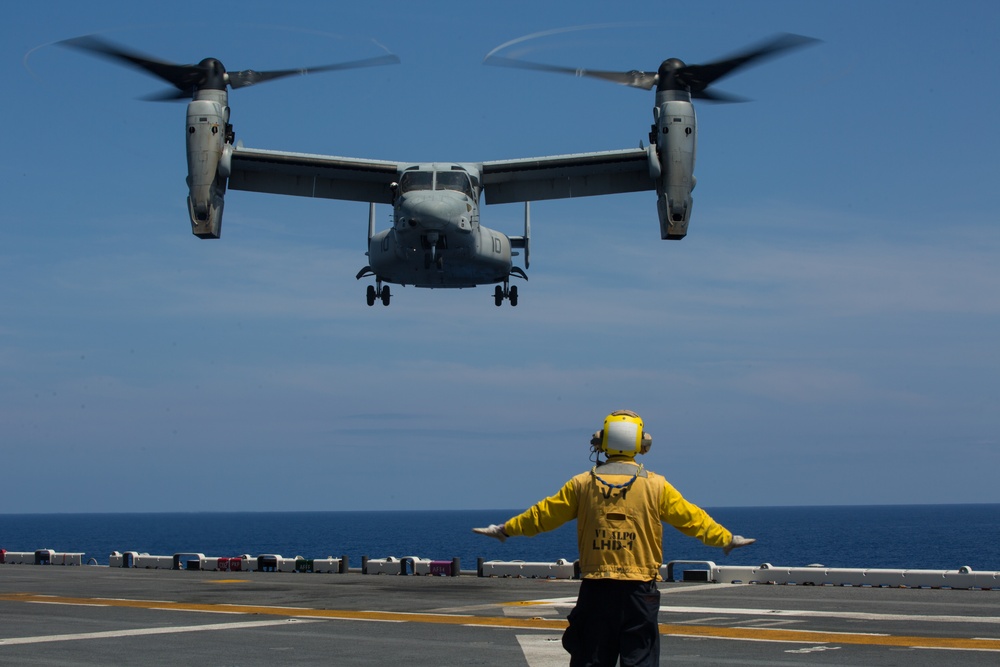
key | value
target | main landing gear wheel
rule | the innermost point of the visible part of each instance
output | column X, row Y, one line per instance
column 504, row 292
column 373, row 294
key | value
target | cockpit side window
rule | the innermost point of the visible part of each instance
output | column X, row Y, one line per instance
column 455, row 180
column 416, row 180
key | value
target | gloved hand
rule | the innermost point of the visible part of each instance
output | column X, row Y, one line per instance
column 492, row 530
column 736, row 542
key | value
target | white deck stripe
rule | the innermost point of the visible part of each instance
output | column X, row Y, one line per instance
column 140, row 632
column 795, row 613
column 543, row 650
column 850, row 615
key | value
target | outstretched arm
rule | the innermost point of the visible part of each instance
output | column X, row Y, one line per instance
column 543, row 516
column 696, row 522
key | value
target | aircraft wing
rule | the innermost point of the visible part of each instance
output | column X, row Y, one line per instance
column 522, row 179
column 307, row 175
column 564, row 176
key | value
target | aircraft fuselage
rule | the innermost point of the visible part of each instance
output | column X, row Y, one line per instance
column 436, row 239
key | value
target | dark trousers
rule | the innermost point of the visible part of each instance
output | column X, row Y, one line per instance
column 614, row 619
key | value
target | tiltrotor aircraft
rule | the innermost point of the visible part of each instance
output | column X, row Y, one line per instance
column 436, row 239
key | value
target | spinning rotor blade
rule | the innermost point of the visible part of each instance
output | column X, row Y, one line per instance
column 718, row 97
column 249, row 77
column 674, row 73
column 181, row 76
column 209, row 73
column 700, row 77
column 633, row 78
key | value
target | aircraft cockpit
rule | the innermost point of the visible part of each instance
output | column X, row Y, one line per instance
column 456, row 180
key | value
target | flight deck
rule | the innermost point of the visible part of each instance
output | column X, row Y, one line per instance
column 86, row 615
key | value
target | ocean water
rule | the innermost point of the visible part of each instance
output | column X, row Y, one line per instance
column 939, row 537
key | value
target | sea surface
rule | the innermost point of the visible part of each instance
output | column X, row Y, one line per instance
column 938, row 537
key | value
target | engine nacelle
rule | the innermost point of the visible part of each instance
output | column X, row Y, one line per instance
column 676, row 139
column 206, row 222
column 208, row 155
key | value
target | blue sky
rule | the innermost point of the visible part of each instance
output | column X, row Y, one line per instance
column 826, row 334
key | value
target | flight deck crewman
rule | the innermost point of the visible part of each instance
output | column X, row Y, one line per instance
column 620, row 508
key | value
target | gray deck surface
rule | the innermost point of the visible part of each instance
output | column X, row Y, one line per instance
column 52, row 615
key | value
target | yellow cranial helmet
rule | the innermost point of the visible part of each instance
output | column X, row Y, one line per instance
column 622, row 435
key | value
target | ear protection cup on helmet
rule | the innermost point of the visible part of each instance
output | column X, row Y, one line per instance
column 647, row 442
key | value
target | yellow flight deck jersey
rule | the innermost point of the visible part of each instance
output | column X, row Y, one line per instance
column 612, row 504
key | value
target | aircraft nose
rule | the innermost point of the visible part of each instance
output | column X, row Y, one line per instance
column 428, row 212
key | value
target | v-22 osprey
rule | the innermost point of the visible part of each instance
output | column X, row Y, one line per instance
column 436, row 239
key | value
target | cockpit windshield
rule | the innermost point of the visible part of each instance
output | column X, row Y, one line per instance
column 416, row 180
column 455, row 180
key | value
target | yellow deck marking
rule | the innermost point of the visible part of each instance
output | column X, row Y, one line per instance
column 706, row 631
column 339, row 614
